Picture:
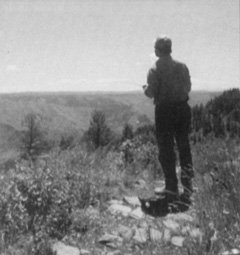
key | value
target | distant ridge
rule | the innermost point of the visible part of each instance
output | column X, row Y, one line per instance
column 76, row 107
column 96, row 92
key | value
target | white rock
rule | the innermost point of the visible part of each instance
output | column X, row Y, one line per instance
column 125, row 232
column 114, row 201
column 226, row 212
column 137, row 213
column 167, row 235
column 62, row 249
column 134, row 201
column 196, row 233
column 84, row 252
column 158, row 190
column 235, row 251
column 155, row 235
column 171, row 224
column 177, row 241
column 180, row 217
column 117, row 252
column 225, row 253
column 141, row 235
column 116, row 208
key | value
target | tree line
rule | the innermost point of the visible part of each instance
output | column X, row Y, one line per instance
column 220, row 117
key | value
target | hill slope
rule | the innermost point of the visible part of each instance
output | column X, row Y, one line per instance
column 63, row 112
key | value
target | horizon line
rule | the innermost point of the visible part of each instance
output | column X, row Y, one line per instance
column 98, row 91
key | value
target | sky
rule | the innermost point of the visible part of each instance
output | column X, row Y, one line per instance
column 107, row 45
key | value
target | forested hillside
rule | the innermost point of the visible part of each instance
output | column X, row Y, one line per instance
column 220, row 116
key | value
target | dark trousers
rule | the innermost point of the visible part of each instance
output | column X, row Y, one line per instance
column 173, row 123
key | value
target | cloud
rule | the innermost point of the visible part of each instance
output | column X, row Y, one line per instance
column 12, row 68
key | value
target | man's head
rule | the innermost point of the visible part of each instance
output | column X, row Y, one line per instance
column 163, row 46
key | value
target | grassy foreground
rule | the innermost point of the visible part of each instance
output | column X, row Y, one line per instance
column 64, row 197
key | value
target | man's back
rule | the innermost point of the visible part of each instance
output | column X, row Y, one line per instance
column 170, row 81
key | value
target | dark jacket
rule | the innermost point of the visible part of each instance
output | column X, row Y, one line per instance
column 168, row 81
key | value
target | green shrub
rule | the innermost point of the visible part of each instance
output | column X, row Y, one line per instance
column 140, row 155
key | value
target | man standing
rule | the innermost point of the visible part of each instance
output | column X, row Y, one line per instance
column 168, row 83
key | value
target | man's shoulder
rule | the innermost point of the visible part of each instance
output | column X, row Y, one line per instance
column 178, row 63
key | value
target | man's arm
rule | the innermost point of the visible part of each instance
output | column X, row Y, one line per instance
column 152, row 82
column 188, row 79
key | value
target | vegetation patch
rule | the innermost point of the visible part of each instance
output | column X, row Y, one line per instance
column 61, row 191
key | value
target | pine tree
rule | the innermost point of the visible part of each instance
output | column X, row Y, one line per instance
column 33, row 139
column 127, row 132
column 98, row 133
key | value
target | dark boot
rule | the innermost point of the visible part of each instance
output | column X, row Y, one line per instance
column 187, row 190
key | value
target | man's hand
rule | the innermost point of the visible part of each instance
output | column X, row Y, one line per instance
column 147, row 91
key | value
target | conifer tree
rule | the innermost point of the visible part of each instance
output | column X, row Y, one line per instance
column 127, row 132
column 33, row 140
column 98, row 133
